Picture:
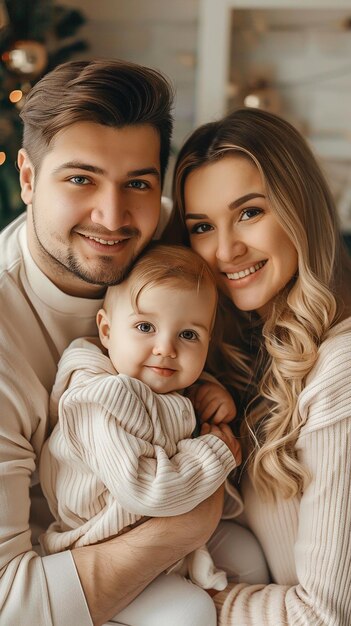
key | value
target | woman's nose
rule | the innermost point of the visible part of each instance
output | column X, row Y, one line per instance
column 229, row 247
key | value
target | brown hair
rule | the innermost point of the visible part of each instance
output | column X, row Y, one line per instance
column 287, row 343
column 109, row 92
column 295, row 186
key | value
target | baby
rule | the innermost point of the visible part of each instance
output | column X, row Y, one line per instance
column 122, row 449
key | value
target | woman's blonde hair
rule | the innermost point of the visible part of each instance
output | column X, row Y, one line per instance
column 303, row 312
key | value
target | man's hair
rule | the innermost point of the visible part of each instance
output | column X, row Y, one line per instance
column 176, row 267
column 109, row 92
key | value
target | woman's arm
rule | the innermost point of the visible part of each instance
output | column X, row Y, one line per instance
column 322, row 596
column 113, row 573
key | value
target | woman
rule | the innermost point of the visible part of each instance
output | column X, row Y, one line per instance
column 252, row 201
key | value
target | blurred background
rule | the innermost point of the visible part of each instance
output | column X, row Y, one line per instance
column 291, row 57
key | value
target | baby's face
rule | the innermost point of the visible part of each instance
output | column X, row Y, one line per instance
column 165, row 343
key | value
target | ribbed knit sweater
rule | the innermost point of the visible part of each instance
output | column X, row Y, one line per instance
column 307, row 540
column 120, row 452
column 38, row 321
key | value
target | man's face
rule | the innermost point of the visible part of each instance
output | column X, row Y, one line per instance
column 93, row 205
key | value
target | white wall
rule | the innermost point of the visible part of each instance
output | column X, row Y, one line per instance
column 158, row 33
column 168, row 35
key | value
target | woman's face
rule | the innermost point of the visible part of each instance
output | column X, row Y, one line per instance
column 232, row 226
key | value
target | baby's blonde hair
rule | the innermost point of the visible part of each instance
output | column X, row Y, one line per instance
column 176, row 267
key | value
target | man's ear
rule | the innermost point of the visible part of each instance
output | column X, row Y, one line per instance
column 103, row 324
column 26, row 176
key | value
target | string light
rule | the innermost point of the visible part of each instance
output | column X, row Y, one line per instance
column 252, row 101
column 15, row 96
column 2, row 158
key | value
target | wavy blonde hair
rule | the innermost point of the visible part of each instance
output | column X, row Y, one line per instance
column 301, row 314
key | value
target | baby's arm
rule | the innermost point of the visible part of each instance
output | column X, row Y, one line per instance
column 146, row 460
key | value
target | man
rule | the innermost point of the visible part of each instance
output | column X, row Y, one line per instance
column 95, row 150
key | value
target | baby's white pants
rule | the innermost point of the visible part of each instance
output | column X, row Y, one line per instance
column 171, row 600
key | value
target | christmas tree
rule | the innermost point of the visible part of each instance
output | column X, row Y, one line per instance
column 35, row 36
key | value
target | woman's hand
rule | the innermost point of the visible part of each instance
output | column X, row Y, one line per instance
column 223, row 432
column 212, row 403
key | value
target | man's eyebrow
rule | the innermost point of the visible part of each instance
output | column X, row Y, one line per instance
column 86, row 167
column 233, row 205
column 144, row 172
column 78, row 165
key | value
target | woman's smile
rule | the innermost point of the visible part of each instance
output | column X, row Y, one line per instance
column 232, row 226
column 248, row 271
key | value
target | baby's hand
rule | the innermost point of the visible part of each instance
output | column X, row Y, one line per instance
column 212, row 403
column 223, row 432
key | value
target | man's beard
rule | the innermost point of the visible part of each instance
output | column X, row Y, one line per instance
column 105, row 275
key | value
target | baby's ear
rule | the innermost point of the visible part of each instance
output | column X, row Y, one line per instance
column 103, row 324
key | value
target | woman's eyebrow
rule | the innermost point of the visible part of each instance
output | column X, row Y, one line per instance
column 233, row 205
column 246, row 198
column 196, row 216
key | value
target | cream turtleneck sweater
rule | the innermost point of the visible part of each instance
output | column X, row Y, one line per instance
column 37, row 322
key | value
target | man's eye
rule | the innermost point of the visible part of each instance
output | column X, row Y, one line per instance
column 200, row 228
column 79, row 180
column 248, row 214
column 189, row 335
column 138, row 184
column 145, row 327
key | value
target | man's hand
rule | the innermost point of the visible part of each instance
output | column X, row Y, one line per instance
column 212, row 403
column 114, row 572
column 223, row 432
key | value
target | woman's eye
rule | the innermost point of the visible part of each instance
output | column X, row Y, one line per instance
column 79, row 180
column 145, row 327
column 198, row 229
column 189, row 335
column 138, row 184
column 248, row 214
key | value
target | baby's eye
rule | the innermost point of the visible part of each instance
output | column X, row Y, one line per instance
column 249, row 214
column 198, row 229
column 189, row 335
column 138, row 184
column 79, row 180
column 145, row 327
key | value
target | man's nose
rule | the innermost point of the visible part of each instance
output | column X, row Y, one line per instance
column 111, row 211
